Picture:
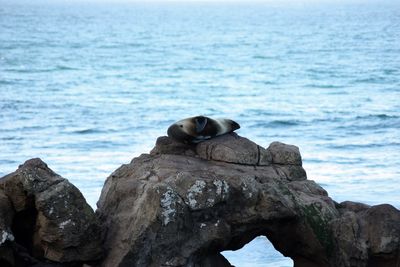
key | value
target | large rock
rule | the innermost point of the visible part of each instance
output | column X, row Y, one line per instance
column 183, row 204
column 367, row 236
column 45, row 218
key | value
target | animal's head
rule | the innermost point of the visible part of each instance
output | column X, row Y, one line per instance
column 187, row 129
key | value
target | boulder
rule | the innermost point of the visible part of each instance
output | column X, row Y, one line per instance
column 285, row 154
column 184, row 204
column 181, row 205
column 367, row 236
column 47, row 218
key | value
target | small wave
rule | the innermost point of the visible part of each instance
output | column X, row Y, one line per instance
column 285, row 123
column 371, row 122
column 363, row 146
column 4, row 82
column 86, row 131
column 135, row 45
column 62, row 67
column 314, row 160
column 347, row 161
column 11, row 138
column 277, row 124
column 97, row 145
column 23, row 129
column 7, row 161
column 377, row 116
column 264, row 82
column 327, row 86
column 109, row 46
column 262, row 57
column 259, row 113
column 121, row 45
column 319, row 71
column 331, row 119
column 390, row 71
column 358, row 130
column 29, row 128
column 373, row 80
column 23, row 70
column 393, row 89
column 338, row 93
column 57, row 68
column 12, row 105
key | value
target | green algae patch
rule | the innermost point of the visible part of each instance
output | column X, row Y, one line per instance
column 320, row 226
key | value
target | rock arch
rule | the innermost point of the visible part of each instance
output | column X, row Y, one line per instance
column 182, row 205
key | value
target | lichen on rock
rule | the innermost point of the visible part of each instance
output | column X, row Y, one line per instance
column 168, row 202
column 47, row 216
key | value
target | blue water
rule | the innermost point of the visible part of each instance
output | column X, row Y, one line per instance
column 87, row 87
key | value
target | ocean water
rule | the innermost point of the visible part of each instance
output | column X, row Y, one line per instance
column 87, row 87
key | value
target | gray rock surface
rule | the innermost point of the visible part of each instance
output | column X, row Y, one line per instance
column 234, row 149
column 285, row 154
column 184, row 204
column 367, row 236
column 47, row 217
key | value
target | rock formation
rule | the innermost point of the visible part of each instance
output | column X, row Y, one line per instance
column 45, row 220
column 181, row 205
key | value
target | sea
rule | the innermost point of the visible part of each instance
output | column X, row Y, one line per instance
column 89, row 85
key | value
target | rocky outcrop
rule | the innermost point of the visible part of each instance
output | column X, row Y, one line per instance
column 366, row 236
column 181, row 205
column 45, row 220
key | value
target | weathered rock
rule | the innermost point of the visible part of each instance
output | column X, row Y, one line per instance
column 169, row 209
column 184, row 204
column 234, row 149
column 166, row 145
column 6, row 216
column 367, row 236
column 181, row 205
column 285, row 154
column 50, row 218
column 352, row 206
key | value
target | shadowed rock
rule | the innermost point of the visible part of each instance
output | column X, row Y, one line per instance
column 6, row 236
column 367, row 236
column 47, row 218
